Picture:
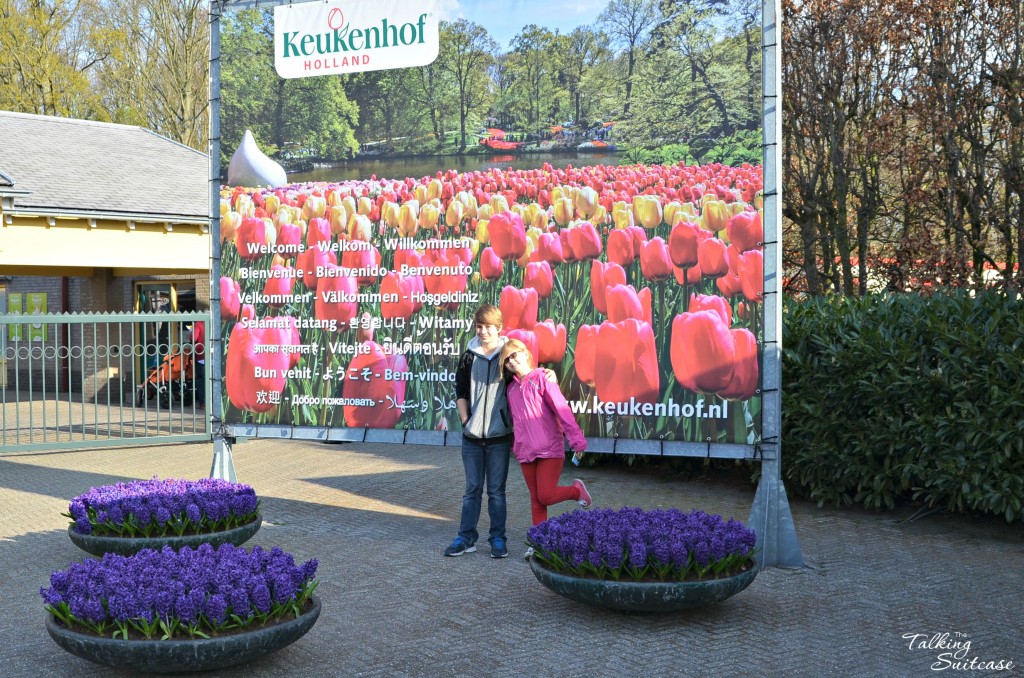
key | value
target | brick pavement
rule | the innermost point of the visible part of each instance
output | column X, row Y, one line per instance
column 377, row 518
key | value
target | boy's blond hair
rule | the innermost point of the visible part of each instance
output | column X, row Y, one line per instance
column 488, row 314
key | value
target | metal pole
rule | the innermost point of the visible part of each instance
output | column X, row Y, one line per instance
column 223, row 465
column 770, row 515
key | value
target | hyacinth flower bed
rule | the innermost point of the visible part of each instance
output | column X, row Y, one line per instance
column 155, row 508
column 184, row 594
column 632, row 544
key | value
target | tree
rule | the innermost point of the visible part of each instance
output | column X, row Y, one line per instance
column 467, row 51
column 628, row 22
column 49, row 54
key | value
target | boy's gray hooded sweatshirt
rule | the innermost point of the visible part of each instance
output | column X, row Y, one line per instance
column 478, row 379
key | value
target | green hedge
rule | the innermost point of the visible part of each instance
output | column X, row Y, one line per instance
column 905, row 396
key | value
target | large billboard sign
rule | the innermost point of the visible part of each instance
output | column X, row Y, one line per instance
column 592, row 169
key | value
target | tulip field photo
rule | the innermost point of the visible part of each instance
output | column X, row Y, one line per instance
column 636, row 275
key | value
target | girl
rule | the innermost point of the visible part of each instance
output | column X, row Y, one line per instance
column 539, row 417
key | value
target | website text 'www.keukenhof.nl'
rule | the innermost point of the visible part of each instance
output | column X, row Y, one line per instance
column 633, row 408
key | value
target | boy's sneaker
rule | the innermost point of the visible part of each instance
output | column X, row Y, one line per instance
column 498, row 548
column 584, row 500
column 458, row 547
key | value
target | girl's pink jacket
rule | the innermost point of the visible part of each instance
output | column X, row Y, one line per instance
column 537, row 407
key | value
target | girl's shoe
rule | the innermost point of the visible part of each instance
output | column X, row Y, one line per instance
column 585, row 501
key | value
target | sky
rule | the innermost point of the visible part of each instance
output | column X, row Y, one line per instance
column 503, row 19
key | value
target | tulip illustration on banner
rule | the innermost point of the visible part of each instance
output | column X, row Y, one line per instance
column 360, row 295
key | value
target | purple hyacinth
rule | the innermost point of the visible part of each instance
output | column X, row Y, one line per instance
column 671, row 542
column 197, row 587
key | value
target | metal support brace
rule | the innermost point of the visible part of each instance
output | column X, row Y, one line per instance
column 223, row 465
column 772, row 520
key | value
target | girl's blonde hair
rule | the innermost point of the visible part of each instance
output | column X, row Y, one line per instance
column 511, row 346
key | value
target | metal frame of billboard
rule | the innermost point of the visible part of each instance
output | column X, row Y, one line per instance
column 770, row 515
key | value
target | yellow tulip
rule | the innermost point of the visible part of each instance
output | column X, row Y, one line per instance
column 759, row 201
column 359, row 227
column 557, row 193
column 364, row 206
column 484, row 212
column 389, row 213
column 587, row 202
column 333, row 197
column 434, row 189
column 533, row 233
column 408, row 216
column 649, row 214
column 473, row 244
column 600, row 215
column 229, row 223
column 453, row 215
column 531, row 245
column 498, row 204
column 468, row 201
column 277, row 260
column 245, row 206
column 338, row 216
column 482, row 234
column 420, row 193
column 735, row 208
column 534, row 215
column 225, row 207
column 429, row 215
column 623, row 218
column 314, row 207
column 715, row 215
column 271, row 204
column 562, row 211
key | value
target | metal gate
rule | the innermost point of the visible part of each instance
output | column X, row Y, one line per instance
column 84, row 380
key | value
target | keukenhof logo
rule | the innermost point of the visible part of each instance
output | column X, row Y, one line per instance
column 347, row 36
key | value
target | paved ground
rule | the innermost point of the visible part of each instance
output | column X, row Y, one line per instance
column 377, row 518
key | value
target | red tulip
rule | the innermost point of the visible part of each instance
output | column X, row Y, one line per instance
column 252, row 377
column 309, row 261
column 551, row 341
column 586, row 243
column 518, row 308
column 566, row 240
column 586, row 353
column 450, row 284
column 711, row 302
column 529, row 338
column 751, row 275
column 365, row 380
column 230, row 298
column 626, row 362
column 654, row 260
column 729, row 285
column 289, row 236
column 491, row 265
column 280, row 286
column 743, row 383
column 625, row 302
column 745, row 230
column 538, row 276
column 549, row 248
column 336, row 295
column 620, row 247
column 603, row 276
column 683, row 242
column 318, row 231
column 250, row 237
column 363, row 259
column 401, row 289
column 713, row 258
column 508, row 236
column 703, row 351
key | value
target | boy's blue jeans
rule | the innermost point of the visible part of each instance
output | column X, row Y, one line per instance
column 484, row 460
